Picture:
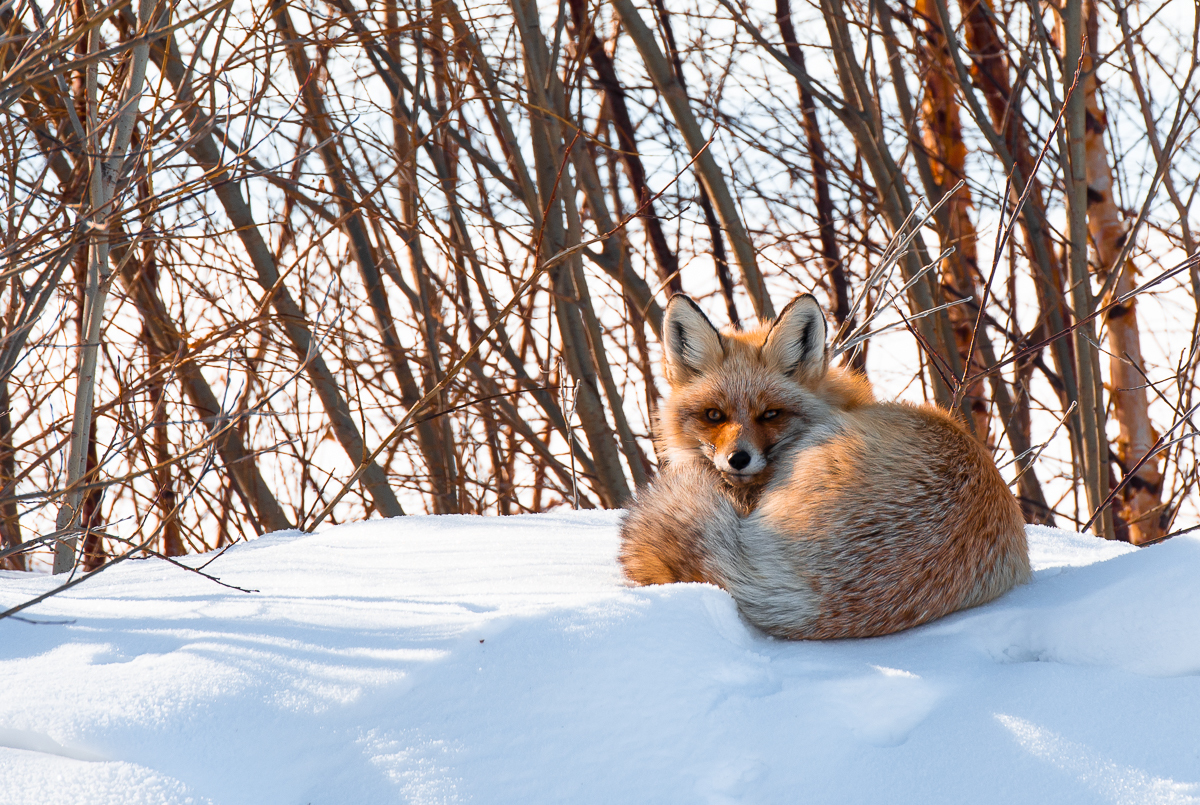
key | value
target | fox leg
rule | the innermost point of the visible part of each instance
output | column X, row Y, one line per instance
column 664, row 535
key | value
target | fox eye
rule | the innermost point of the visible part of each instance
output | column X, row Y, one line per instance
column 714, row 415
column 769, row 414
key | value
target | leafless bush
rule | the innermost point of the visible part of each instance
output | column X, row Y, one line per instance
column 267, row 266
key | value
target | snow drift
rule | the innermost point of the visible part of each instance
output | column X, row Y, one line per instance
column 502, row 660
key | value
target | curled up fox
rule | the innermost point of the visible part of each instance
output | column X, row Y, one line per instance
column 824, row 513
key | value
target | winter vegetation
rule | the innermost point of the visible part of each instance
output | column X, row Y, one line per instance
column 268, row 266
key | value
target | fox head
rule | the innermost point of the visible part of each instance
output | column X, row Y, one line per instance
column 739, row 398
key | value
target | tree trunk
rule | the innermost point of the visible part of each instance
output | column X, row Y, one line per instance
column 10, row 524
column 942, row 137
column 1140, row 499
column 1090, row 414
column 553, row 181
column 1010, row 140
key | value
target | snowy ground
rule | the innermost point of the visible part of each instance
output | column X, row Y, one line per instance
column 460, row 659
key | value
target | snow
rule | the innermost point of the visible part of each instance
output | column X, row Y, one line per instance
column 503, row 660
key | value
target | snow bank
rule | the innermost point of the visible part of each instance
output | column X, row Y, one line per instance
column 458, row 659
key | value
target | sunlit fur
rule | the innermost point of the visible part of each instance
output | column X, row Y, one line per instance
column 862, row 518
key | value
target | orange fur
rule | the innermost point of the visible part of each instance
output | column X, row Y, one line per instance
column 824, row 513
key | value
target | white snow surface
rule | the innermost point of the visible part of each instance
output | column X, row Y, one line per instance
column 504, row 660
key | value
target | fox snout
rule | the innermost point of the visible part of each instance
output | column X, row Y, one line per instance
column 741, row 463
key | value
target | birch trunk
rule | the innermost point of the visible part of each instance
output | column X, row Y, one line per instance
column 1013, row 412
column 1140, row 499
column 862, row 116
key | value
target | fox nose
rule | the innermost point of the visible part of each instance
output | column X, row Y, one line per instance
column 739, row 460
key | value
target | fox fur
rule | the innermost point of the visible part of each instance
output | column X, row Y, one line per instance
column 824, row 513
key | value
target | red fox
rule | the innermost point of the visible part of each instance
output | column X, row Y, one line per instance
column 824, row 513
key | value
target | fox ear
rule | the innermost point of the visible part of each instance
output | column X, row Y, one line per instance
column 796, row 343
column 691, row 345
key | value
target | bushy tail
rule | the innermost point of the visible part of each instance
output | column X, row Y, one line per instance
column 685, row 528
column 663, row 536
